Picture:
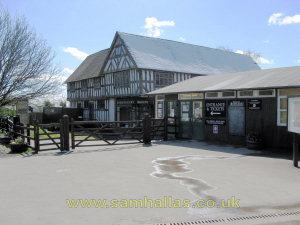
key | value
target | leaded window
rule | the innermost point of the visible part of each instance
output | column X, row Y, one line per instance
column 163, row 79
column 121, row 79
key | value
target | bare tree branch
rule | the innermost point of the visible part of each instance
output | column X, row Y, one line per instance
column 26, row 62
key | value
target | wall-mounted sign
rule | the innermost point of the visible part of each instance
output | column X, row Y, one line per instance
column 293, row 114
column 215, row 129
column 124, row 102
column 215, row 108
column 254, row 104
column 22, row 111
column 215, row 122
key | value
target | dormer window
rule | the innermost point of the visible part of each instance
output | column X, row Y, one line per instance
column 118, row 51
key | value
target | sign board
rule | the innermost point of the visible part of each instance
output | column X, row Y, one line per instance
column 215, row 129
column 254, row 104
column 236, row 118
column 215, row 108
column 237, row 103
column 215, row 122
column 22, row 111
column 294, row 114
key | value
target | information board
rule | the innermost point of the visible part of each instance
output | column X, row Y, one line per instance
column 215, row 108
column 236, row 118
column 294, row 114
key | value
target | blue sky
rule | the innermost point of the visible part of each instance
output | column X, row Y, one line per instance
column 76, row 28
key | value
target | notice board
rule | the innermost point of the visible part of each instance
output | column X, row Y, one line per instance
column 294, row 114
column 236, row 118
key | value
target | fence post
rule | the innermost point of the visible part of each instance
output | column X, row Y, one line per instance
column 6, row 124
column 66, row 139
column 28, row 133
column 36, row 137
column 22, row 131
column 166, row 128
column 72, row 134
column 295, row 149
column 61, row 127
column 147, row 129
column 16, row 121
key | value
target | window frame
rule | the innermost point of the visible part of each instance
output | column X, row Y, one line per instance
column 102, row 104
column 84, row 84
column 162, row 108
column 163, row 79
column 279, row 110
column 121, row 79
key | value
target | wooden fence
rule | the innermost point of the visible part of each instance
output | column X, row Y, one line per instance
column 84, row 133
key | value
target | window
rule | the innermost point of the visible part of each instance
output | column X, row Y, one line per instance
column 72, row 86
column 159, row 109
column 163, row 79
column 118, row 50
column 197, row 111
column 227, row 94
column 269, row 92
column 79, row 105
column 211, row 94
column 97, row 82
column 220, row 94
column 121, row 79
column 84, row 84
column 86, row 104
column 248, row 93
column 282, row 104
column 257, row 93
column 101, row 104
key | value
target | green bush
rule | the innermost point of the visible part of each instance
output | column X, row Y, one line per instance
column 7, row 112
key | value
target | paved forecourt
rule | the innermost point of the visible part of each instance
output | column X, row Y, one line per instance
column 35, row 189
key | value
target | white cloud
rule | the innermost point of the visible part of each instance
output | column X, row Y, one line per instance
column 266, row 41
column 75, row 52
column 298, row 60
column 67, row 71
column 182, row 39
column 278, row 19
column 259, row 59
column 153, row 26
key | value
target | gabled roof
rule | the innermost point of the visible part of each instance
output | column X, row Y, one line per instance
column 166, row 55
column 90, row 67
column 258, row 79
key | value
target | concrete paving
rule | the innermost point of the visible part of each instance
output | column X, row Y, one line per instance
column 34, row 189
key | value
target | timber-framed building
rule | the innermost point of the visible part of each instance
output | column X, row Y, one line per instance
column 112, row 84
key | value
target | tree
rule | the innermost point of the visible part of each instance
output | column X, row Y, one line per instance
column 26, row 62
column 47, row 103
column 255, row 56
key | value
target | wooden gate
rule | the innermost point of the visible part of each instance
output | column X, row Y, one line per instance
column 48, row 141
column 108, row 132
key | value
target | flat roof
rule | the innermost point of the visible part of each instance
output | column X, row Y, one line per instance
column 257, row 79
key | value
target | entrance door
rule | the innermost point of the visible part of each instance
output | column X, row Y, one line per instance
column 124, row 113
column 191, row 122
column 172, row 118
column 197, row 120
column 91, row 110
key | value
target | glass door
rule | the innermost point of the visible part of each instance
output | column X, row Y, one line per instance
column 185, row 125
column 197, row 121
